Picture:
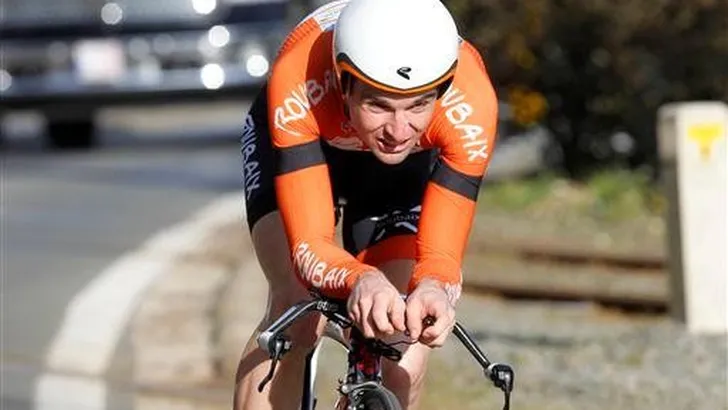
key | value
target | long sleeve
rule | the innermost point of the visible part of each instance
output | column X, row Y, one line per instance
column 302, row 183
column 465, row 132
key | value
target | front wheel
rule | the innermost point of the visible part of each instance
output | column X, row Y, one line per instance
column 377, row 399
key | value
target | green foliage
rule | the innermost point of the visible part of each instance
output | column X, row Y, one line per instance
column 516, row 195
column 620, row 194
column 608, row 195
column 602, row 65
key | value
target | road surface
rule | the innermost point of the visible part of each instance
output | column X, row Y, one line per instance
column 67, row 216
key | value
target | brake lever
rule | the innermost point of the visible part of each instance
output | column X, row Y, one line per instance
column 502, row 377
column 282, row 346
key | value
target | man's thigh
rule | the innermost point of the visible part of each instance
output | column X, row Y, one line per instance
column 264, row 222
column 258, row 162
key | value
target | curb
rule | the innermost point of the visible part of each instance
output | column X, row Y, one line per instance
column 175, row 331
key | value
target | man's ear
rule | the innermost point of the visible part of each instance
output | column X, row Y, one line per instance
column 347, row 81
column 347, row 85
column 347, row 114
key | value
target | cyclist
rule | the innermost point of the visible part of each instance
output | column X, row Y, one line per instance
column 376, row 112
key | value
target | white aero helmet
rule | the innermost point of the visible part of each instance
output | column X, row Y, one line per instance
column 400, row 46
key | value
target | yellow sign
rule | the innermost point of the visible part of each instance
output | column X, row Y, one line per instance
column 705, row 135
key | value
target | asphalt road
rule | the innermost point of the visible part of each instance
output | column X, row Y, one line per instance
column 67, row 216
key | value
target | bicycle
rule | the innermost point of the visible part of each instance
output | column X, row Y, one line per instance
column 362, row 388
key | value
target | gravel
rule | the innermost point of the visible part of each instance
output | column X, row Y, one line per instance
column 574, row 356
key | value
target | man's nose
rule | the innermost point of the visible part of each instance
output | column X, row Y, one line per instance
column 398, row 126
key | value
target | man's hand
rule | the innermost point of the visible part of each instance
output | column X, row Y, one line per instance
column 430, row 299
column 375, row 305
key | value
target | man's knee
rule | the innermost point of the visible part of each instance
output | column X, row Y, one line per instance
column 304, row 332
column 284, row 289
column 400, row 377
column 273, row 254
column 271, row 248
column 406, row 378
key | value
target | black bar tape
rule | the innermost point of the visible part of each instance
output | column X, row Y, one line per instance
column 299, row 157
column 456, row 181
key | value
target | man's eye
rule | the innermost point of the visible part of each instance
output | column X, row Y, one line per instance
column 377, row 106
column 420, row 105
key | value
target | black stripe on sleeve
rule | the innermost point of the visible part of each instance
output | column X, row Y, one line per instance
column 299, row 157
column 456, row 181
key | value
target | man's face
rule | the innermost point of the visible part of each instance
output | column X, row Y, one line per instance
column 389, row 124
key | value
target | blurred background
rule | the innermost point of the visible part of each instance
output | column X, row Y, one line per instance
column 120, row 118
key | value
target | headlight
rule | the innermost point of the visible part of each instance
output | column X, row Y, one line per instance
column 257, row 65
column 218, row 36
column 6, row 80
column 112, row 14
column 212, row 76
column 204, row 6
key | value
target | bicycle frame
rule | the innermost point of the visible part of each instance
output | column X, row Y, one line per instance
column 308, row 399
column 364, row 370
column 364, row 355
column 364, row 358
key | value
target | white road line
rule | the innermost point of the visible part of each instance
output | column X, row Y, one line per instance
column 97, row 316
column 77, row 393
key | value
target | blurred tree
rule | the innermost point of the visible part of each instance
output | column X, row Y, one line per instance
column 603, row 66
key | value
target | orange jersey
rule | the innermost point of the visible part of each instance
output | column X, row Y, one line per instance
column 305, row 106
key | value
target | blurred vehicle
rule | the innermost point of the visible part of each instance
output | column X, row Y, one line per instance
column 69, row 58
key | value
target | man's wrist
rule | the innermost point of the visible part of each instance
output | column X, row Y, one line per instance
column 369, row 274
column 427, row 283
column 373, row 273
column 430, row 282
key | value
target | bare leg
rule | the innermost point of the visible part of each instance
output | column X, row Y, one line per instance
column 405, row 378
column 284, row 290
